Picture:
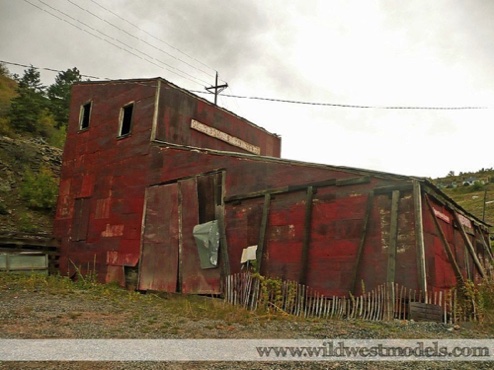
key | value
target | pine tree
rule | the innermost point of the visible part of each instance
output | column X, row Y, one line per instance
column 29, row 105
column 59, row 95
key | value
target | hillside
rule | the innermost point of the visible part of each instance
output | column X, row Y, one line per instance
column 471, row 190
column 30, row 169
column 7, row 92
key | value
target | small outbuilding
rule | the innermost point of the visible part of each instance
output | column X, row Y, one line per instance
column 163, row 190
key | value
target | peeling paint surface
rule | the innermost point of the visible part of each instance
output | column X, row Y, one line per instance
column 112, row 231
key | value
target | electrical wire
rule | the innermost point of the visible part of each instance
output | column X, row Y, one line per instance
column 49, row 69
column 126, row 45
column 111, row 43
column 336, row 105
column 354, row 106
column 151, row 35
column 139, row 39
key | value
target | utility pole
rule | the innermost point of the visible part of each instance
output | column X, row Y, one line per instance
column 217, row 88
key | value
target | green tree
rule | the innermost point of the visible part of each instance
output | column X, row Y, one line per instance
column 40, row 190
column 59, row 95
column 29, row 104
column 4, row 71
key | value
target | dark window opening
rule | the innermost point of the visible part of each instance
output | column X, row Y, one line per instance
column 85, row 115
column 126, row 123
column 209, row 196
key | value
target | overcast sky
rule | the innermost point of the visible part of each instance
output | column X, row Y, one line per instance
column 375, row 53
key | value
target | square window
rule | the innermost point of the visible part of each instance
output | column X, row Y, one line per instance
column 85, row 116
column 126, row 119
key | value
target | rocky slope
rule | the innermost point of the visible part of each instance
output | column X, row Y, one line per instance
column 18, row 157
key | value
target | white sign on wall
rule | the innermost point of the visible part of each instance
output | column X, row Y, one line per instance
column 223, row 136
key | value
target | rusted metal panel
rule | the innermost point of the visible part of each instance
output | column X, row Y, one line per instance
column 115, row 274
column 242, row 223
column 160, row 240
column 194, row 280
column 115, row 258
column 407, row 271
column 284, row 237
column 104, row 179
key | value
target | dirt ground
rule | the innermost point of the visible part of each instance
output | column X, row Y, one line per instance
column 40, row 307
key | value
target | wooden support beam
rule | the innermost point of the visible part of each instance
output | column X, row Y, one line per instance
column 281, row 190
column 307, row 235
column 452, row 261
column 368, row 211
column 220, row 216
column 390, row 188
column 469, row 245
column 219, row 186
column 353, row 181
column 262, row 231
column 419, row 236
column 486, row 245
column 299, row 187
column 393, row 236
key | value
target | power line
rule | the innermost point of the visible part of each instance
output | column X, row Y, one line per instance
column 123, row 43
column 354, row 106
column 109, row 42
column 139, row 39
column 151, row 35
column 48, row 69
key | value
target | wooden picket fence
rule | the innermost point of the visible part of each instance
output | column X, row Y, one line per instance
column 388, row 301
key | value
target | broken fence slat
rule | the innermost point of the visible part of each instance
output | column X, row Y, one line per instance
column 386, row 302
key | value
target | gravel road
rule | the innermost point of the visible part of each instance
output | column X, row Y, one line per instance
column 38, row 310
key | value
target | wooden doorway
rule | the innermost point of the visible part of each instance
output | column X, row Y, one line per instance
column 169, row 258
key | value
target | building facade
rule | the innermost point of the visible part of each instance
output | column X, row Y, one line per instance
column 148, row 166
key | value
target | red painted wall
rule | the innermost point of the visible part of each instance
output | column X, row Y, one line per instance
column 104, row 178
column 178, row 107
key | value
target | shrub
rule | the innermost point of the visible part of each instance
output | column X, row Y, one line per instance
column 26, row 223
column 40, row 190
column 477, row 186
column 5, row 128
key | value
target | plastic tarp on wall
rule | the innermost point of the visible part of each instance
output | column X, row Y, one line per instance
column 207, row 239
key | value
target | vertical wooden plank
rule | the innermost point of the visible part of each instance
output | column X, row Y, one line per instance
column 369, row 307
column 159, row 259
column 307, row 235
column 219, row 187
column 320, row 299
column 227, row 289
column 362, row 307
column 375, row 302
column 398, row 302
column 262, row 232
column 393, row 236
column 449, row 253
column 368, row 211
column 220, row 216
column 419, row 235
column 443, row 305
column 455, row 308
column 486, row 245
column 156, row 110
column 469, row 245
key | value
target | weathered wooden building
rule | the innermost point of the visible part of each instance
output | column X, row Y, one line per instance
column 146, row 162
